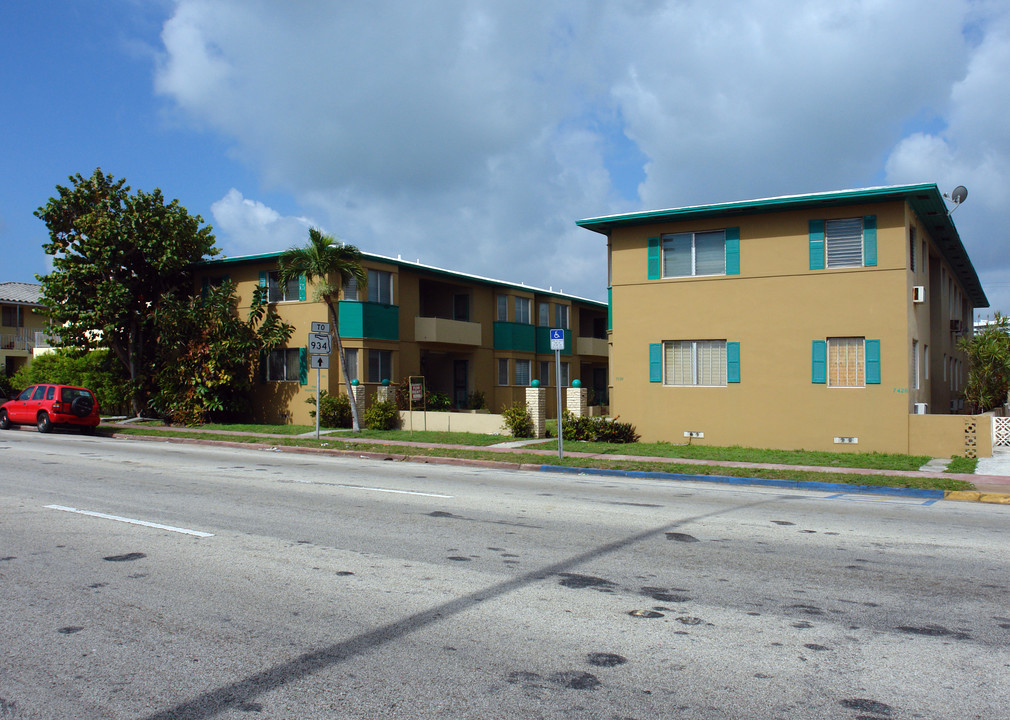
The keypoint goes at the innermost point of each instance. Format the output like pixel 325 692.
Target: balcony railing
pixel 591 346
pixel 443 330
pixel 23 339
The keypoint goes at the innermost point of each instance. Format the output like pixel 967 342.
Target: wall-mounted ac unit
pixel 955 326
pixel 920 408
pixel 918 293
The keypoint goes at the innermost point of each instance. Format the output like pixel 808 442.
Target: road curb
pixel 922 493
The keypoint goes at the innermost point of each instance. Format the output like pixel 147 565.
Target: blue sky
pixel 472 134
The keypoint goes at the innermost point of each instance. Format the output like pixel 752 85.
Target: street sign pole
pixel 317 401
pixel 319 345
pixel 557 336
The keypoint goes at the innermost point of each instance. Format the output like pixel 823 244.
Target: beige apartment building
pixel 22 325
pixel 464 334
pixel 816 321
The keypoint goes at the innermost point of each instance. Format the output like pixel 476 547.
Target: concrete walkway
pixel 991 479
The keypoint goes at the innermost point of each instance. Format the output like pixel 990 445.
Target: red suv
pixel 47 406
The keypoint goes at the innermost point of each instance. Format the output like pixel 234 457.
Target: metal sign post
pixel 557 345
pixel 319 354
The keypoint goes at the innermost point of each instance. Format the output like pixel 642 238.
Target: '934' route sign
pixel 319 344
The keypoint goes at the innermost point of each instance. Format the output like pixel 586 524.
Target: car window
pixel 26 394
pixel 69 394
pixel 40 392
pixel 50 392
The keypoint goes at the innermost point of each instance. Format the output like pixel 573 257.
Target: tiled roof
pixel 19 292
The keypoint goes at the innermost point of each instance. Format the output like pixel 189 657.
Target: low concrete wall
pixel 485 423
pixel 943 436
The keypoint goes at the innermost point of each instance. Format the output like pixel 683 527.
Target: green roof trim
pixel 925 200
pixel 416 266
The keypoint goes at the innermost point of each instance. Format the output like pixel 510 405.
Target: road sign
pixel 557 339
pixel 319 344
pixel 323 328
pixel 319 362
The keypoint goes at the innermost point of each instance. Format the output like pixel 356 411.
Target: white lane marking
pixel 397 492
pixel 131 521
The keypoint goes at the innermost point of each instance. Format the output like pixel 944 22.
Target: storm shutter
pixel 655 264
pixel 819 364
pixel 732 362
pixel 870 241
pixel 816 231
pixel 655 362
pixel 733 251
pixel 872 362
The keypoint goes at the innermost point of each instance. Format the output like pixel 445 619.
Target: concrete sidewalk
pixel 991 480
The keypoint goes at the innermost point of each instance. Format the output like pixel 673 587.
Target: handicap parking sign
pixel 557 339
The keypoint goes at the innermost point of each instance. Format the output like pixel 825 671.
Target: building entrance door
pixel 460 370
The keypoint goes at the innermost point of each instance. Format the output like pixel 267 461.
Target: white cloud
pixel 472 135
pixel 245 227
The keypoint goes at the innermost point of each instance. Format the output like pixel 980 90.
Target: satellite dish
pixel 959 194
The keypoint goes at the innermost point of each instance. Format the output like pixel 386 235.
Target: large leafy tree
pixel 330 265
pixel 209 352
pixel 117 256
pixel 988 354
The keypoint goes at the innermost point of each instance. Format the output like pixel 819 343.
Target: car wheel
pixel 5 422
pixel 44 423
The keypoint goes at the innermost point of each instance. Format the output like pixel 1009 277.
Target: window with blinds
pixel 522 372
pixel 844 242
pixel 687 254
pixel 694 362
pixel 846 362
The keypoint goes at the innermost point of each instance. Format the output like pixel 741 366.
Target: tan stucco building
pixel 463 333
pixel 815 321
pixel 22 325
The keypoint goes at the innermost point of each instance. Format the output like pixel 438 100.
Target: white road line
pixel 131 521
pixel 397 492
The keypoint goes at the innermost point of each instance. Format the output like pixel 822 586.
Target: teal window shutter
pixel 655 260
pixel 655 362
pixel 732 362
pixel 819 364
pixel 610 308
pixel 301 287
pixel 303 366
pixel 872 362
pixel 733 251
pixel 816 244
pixel 263 278
pixel 870 241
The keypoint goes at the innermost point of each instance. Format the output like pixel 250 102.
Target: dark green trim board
pixel 870 241
pixel 303 366
pixel 732 251
pixel 872 355
pixel 655 362
pixel 819 362
pixel 732 362
pixel 816 231
pixel 655 269
pixel 518 336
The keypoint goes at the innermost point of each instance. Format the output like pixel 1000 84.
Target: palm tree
pixel 333 264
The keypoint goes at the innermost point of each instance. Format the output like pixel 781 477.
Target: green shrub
pixel 597 429
pixel 475 400
pixel 382 415
pixel 334 410
pixel 518 420
pixel 98 370
pixel 6 388
pixel 439 402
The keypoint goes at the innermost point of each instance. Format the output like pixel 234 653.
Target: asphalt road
pixel 275 585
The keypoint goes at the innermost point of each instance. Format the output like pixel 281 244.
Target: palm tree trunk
pixel 355 424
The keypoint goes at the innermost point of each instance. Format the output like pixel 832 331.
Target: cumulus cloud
pixel 245 227
pixel 472 135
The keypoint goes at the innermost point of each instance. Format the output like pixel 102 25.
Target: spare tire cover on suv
pixel 81 406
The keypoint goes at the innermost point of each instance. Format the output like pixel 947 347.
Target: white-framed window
pixel 503 371
pixel 522 310
pixel 380 365
pixel 380 287
pixel 694 362
pixel 563 380
pixel 843 240
pixel 701 253
pixel 351 289
pixel 545 373
pixel 543 314
pixel 523 372
pixel 351 356
pixel 502 309
pixel 13 316
pixel 561 316
pixel 846 362
pixel 915 364
pixel 276 292
pixel 284 365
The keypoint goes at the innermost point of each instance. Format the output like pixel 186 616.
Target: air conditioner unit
pixel 955 326
pixel 918 293
pixel 920 408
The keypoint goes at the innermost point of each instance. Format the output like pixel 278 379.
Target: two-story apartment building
pixel 22 324
pixel 814 321
pixel 463 333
